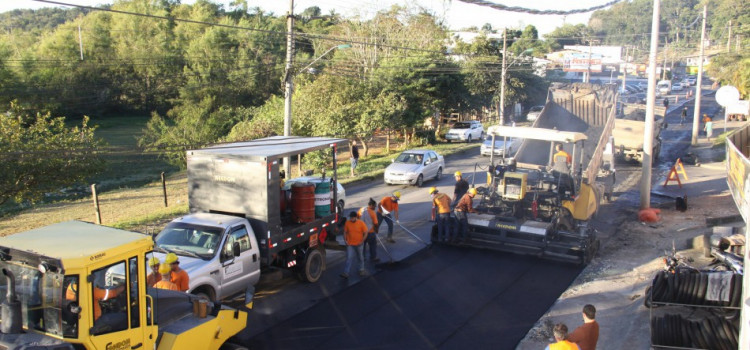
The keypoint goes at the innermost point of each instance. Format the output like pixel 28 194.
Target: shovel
pixel 384 248
pixel 413 235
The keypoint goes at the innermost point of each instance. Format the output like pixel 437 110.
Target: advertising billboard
pixel 579 62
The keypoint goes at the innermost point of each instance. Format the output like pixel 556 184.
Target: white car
pixel 465 131
pixel 676 87
pixel 340 193
pixel 413 167
pixel 513 145
pixel 534 113
pixel 692 79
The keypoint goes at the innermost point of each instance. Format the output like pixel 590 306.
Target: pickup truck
pixel 240 225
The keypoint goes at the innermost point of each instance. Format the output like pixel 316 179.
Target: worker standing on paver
pixel 461 187
pixel 154 276
pixel 464 207
pixel 562 154
pixel 388 211
pixel 354 235
pixel 370 218
pixel 165 271
pixel 587 334
pixel 178 276
pixel 442 202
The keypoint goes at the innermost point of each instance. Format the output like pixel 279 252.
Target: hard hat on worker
pixel 171 258
pixel 397 194
pixel 432 190
pixel 164 269
pixel 458 173
pixel 154 261
pixel 473 191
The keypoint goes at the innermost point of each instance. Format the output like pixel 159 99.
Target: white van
pixel 664 87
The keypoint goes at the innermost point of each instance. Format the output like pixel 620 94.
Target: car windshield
pixel 40 294
pixel 189 240
pixel 409 158
pixel 461 126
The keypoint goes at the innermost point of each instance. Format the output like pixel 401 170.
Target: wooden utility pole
pixel 648 137
pixel 588 65
pixel 697 107
pixel 96 204
pixel 164 188
pixel 502 80
pixel 664 67
pixel 288 87
pixel 625 69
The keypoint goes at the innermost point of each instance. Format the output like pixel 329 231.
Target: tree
pixel 732 69
pixel 568 34
pixel 40 154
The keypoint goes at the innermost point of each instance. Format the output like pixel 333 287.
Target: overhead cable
pixel 502 7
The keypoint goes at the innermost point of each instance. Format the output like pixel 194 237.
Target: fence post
pixel 164 188
pixel 96 204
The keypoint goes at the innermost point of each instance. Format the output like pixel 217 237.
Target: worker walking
pixel 178 276
pixel 683 115
pixel 165 271
pixel 460 189
pixel 442 203
pixel 369 217
pixel 388 211
pixel 354 236
pixel 154 276
pixel 464 207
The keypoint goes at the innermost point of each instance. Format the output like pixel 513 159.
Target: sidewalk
pixel 631 254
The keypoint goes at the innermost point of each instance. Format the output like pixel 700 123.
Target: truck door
pixel 115 308
pixel 238 271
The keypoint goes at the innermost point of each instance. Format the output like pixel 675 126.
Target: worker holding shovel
pixel 388 209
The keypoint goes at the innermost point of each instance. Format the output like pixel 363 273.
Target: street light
pixel 289 87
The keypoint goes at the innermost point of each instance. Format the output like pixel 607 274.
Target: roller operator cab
pixel 244 221
pixel 79 285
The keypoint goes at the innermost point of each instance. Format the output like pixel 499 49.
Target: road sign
pixel 727 95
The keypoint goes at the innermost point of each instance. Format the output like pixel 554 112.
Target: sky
pixel 456 13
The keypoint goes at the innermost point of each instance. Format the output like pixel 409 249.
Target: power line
pixel 502 7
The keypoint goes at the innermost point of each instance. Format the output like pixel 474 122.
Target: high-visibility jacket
pixel 152 278
pixel 370 220
pixel 563 345
pixel 355 232
pixel 388 204
pixel 166 285
pixel 563 154
pixel 442 202
pixel 181 279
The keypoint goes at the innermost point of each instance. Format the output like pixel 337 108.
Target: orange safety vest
pixel 166 285
pixel 388 204
pixel 355 232
pixel 181 279
pixel 442 202
pixel 563 345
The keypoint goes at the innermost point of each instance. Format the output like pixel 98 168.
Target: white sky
pixel 458 14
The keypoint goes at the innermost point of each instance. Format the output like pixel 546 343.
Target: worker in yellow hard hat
pixel 464 207
pixel 178 276
pixel 154 276
pixel 442 202
pixel 165 271
pixel 461 187
pixel 388 210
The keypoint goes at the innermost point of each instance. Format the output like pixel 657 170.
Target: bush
pixel 425 137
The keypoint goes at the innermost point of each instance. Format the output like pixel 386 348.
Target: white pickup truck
pixel 240 225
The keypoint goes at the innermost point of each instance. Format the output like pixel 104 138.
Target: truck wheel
pixel 204 293
pixel 314 265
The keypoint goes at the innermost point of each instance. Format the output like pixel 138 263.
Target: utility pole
pixel 80 41
pixel 588 66
pixel 502 80
pixel 664 67
pixel 729 36
pixel 697 108
pixel 288 87
pixel 625 69
pixel 648 137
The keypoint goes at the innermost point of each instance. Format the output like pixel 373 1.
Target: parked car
pixel 413 167
pixel 676 87
pixel 513 144
pixel 341 193
pixel 534 113
pixel 465 131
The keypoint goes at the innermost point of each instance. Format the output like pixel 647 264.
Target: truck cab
pixel 219 252
pixel 84 285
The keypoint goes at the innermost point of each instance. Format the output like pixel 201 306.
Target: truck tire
pixel 313 267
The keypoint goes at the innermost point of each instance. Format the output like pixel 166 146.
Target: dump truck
pixel 534 204
pixel 74 285
pixel 629 129
pixel 240 225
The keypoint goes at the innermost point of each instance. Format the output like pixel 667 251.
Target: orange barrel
pixel 303 202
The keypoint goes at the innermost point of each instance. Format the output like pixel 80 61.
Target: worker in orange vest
pixel 153 276
pixel 165 271
pixel 442 202
pixel 354 235
pixel 388 211
pixel 561 331
pixel 179 276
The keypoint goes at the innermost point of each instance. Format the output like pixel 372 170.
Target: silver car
pixel 340 193
pixel 465 131
pixel 413 167
pixel 486 148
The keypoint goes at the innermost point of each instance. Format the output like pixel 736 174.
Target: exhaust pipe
pixel 10 309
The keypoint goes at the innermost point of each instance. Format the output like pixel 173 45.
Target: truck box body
pixel 243 179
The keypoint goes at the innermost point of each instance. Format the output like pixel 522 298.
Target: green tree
pixel 732 69
pixel 40 154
